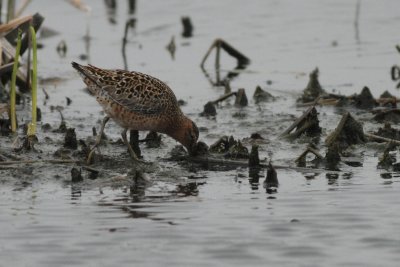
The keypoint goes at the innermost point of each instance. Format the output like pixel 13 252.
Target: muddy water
pixel 197 217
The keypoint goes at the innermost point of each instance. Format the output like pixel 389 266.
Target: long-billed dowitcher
pixel 138 101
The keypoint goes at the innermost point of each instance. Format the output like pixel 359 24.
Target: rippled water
pixel 215 218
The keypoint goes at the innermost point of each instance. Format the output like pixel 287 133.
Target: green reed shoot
pixel 32 125
pixel 13 115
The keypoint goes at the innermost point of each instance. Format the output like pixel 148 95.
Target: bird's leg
pixel 98 139
pixel 131 152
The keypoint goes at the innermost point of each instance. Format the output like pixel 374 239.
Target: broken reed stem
pixel 242 60
pixel 14 23
pixel 32 125
pixel 380 138
pixel 13 115
pixel 327 101
pixel 217 56
pixel 222 98
pixel 300 119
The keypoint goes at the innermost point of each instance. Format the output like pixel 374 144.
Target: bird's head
pixel 187 134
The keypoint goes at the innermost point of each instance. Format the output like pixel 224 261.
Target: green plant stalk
pixel 13 115
pixel 32 125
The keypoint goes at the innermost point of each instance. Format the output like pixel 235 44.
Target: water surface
pixel 213 218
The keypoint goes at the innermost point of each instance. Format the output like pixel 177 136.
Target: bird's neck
pixel 177 128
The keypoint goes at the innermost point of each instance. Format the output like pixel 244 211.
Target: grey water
pixel 214 217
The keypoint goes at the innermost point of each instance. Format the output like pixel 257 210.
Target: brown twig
pixel 300 119
pixel 380 138
pixel 14 23
pixel 222 98
pixel 218 44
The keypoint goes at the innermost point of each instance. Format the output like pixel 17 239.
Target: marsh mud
pixel 58 211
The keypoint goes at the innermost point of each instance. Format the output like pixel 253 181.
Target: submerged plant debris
pixel 307 124
pixel 313 89
pixel 262 96
pixel 365 99
pixel 348 132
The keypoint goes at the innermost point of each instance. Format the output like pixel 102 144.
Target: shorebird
pixel 138 101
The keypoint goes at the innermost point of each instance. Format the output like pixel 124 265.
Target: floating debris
pixel 254 159
pixel 307 124
pixel 187 27
pixel 256 136
pixel 237 151
pixel 386 94
pixel 242 60
pixel 46 127
pixel 132 6
pixel 301 161
pixel 241 98
pixel 62 128
pixel 230 147
pixel 182 102
pixel 313 89
pixel 388 132
pixel 70 139
pixel 62 153
pixel 332 157
pixel 153 140
pixel 38 114
pixel 254 177
pixel 188 189
pixel 262 96
pixel 171 47
pixel 28 143
pixel 209 110
pixel 178 153
pixel 222 145
pixel 391 115
pixel 271 182
pixel 388 159
pixel 365 99
pixel 348 132
pixel 5 127
pixel 201 149
pixel 76 175
pixel 93 173
pixel 227 86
